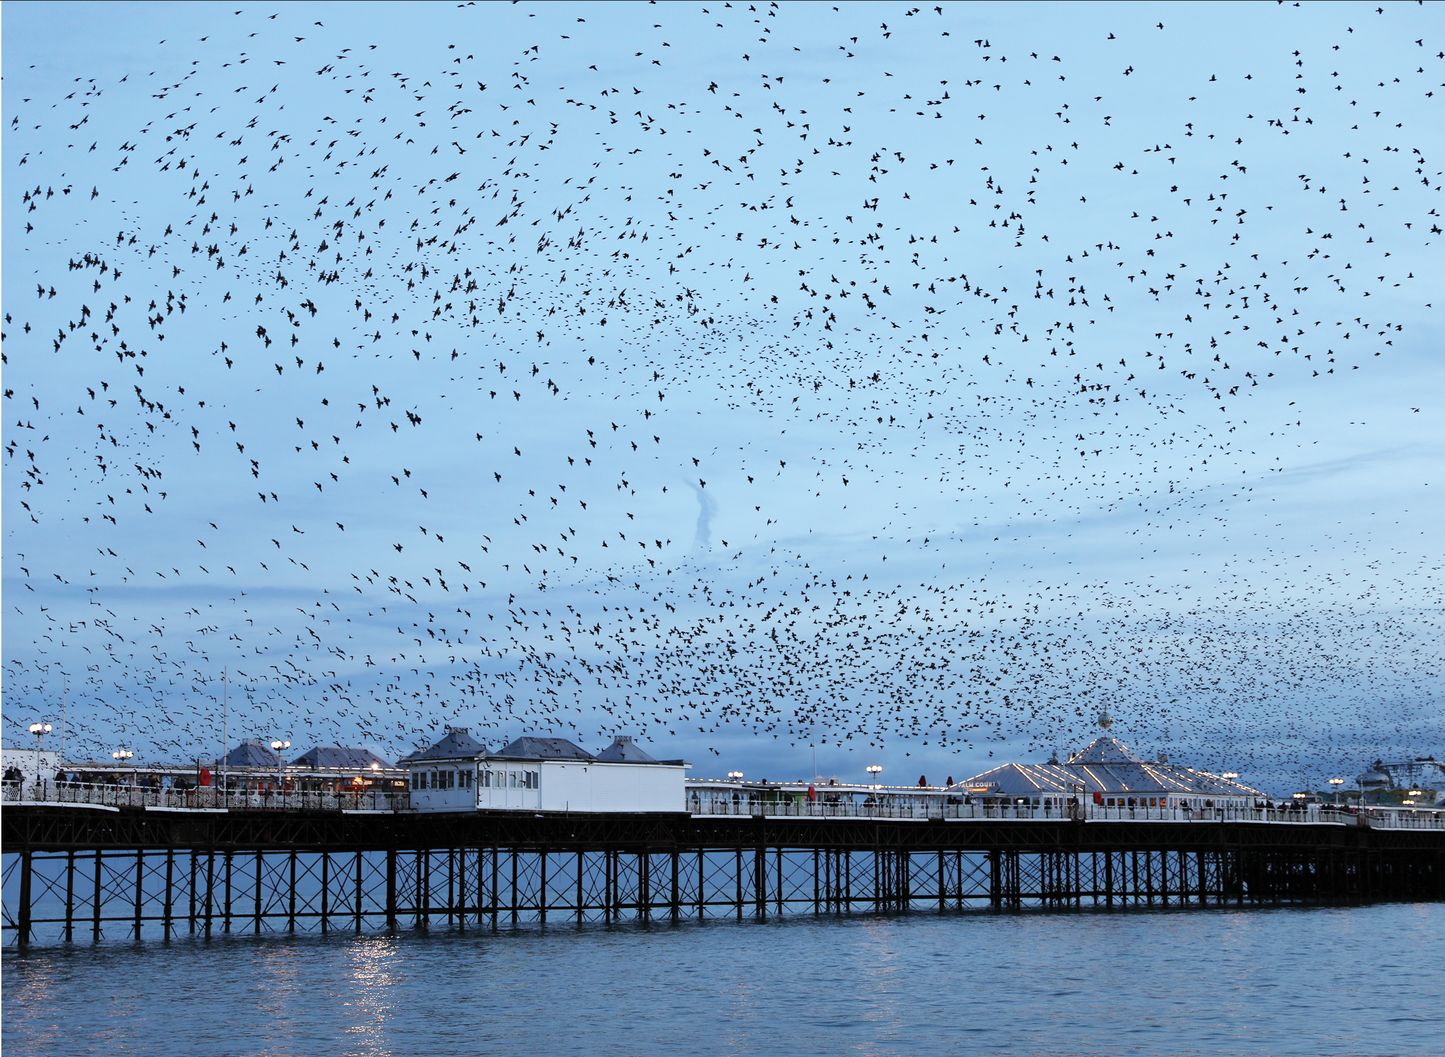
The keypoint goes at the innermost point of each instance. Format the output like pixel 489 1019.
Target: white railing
pixel 791 808
pixel 202 798
pixel 903 808
pixel 1311 814
pixel 210 798
pixel 1404 818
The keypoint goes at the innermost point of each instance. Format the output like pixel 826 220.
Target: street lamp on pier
pixel 1229 776
pixel 279 746
pixel 874 770
pixel 736 776
pixel 39 730
pixel 122 757
pixel 1337 782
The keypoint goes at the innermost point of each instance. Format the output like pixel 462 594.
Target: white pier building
pixel 458 773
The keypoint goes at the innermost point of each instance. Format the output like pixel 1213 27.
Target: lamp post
pixel 278 746
pixel 1229 776
pixel 1337 782
pixel 735 776
pixel 122 757
pixel 225 725
pixel 39 730
pixel 874 770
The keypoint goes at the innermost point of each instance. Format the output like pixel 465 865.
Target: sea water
pixel 1351 980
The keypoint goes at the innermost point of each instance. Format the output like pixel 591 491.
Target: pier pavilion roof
pixel 530 748
pixel 1106 751
pixel 624 750
pixel 252 752
pixel 1019 779
pixel 1106 766
pixel 458 744
pixel 340 757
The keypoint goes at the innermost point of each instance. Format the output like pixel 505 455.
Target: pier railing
pixel 1309 814
pixel 1404 818
pixel 202 798
pixel 212 798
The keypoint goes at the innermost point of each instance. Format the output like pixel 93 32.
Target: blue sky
pixel 915 382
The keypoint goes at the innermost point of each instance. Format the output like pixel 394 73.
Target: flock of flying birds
pixel 742 376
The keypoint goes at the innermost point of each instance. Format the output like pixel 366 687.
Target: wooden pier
pixel 82 873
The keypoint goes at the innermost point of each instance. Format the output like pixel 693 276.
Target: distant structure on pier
pixel 1424 773
pixel 252 753
pixel 340 758
pixel 1110 774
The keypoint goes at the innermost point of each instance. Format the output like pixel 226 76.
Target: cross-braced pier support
pixel 140 877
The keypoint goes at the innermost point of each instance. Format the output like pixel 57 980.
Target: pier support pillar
pixel 210 888
pixel 356 909
pixel 676 902
pixel 290 900
pixel 325 892
pixel 70 896
pixel 23 921
pixel 95 901
pixel 226 908
pixel 139 889
pixel 739 872
pixel 581 896
pixel 391 889
pixel 165 909
pixel 701 880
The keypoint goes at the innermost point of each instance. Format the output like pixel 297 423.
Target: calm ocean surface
pixel 1362 980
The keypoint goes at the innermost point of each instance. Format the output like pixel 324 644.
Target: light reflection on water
pixel 1294 981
